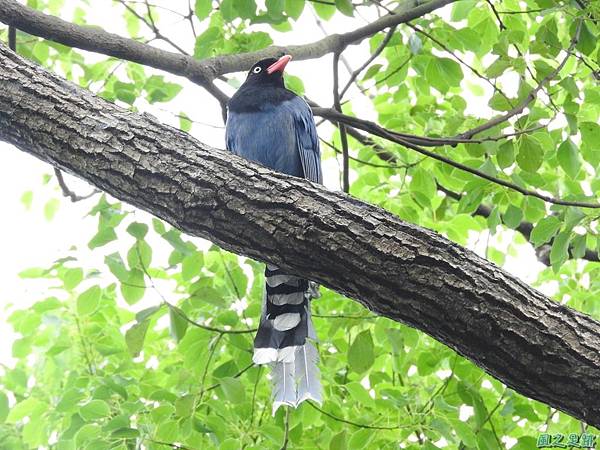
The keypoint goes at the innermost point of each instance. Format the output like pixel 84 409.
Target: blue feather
pixel 280 136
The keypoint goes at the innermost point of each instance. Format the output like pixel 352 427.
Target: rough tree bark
pixel 412 275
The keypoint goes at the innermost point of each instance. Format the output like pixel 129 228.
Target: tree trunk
pixel 412 275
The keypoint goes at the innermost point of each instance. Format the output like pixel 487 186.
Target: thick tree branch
pixel 201 72
pixel 536 346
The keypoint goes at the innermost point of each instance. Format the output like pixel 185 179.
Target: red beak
pixel 279 65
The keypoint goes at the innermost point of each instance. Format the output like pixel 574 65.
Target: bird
pixel 271 125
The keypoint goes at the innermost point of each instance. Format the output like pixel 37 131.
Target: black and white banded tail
pixel 283 339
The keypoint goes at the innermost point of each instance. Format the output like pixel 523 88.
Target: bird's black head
pixel 268 72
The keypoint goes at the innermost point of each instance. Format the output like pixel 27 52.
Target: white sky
pixel 28 240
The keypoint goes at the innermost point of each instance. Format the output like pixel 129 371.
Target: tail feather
pixel 284 390
pixel 281 340
pixel 308 374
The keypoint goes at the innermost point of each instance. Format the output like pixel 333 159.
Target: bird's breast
pixel 266 136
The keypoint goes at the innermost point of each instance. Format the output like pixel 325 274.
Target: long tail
pixel 283 339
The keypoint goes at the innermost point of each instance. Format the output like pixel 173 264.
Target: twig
pixel 168 444
pixel 342 128
pixel 388 75
pixel 254 394
pixel 237 375
pixel 368 163
pixel 68 192
pixel 207 327
pixel 12 38
pixel 380 48
pixel 286 434
pixel 355 424
pixel 343 316
pixel 152 25
pixel 213 349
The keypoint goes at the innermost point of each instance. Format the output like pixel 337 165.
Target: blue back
pixel 281 136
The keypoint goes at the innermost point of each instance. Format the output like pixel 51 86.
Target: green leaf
pixel 361 438
pixel 545 230
pixel 233 390
pixel 246 9
pixel 568 158
pixel 116 266
pixel 71 278
pixel 345 6
pixel 423 185
pixel 185 124
pixel 578 246
pixel 178 323
pixel 133 288
pixel 191 266
pixel 159 90
pixel 294 8
pixel 4 409
pixel 531 154
pixel 137 230
pixel 513 216
pixel 361 353
pixel 443 73
pixel 208 42
pixel 139 256
pixel 506 155
pixel 324 11
pixel 134 337
pixel 88 301
pixel 50 208
pixel 560 250
pixel 103 237
pixel 94 409
pixel 203 9
pixel 147 313
pixel 125 433
pixel 294 84
pixel 28 407
pixel 27 199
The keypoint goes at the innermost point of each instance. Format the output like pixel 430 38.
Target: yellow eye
pixel 257 69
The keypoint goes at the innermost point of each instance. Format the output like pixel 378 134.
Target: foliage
pixel 154 345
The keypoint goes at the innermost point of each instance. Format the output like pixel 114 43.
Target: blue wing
pixel 282 137
pixel 307 141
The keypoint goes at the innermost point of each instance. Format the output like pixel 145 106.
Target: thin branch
pixel 12 38
pixel 345 316
pixel 68 192
pixel 168 444
pixel 152 25
pixel 368 163
pixel 380 48
pixel 207 327
pixel 237 375
pixel 388 75
pixel 342 128
pixel 377 130
pixel 213 349
pixel 286 434
pixel 356 424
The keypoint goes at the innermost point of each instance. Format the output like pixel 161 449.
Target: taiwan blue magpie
pixel 271 125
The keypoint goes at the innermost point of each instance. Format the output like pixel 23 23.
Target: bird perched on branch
pixel 271 125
